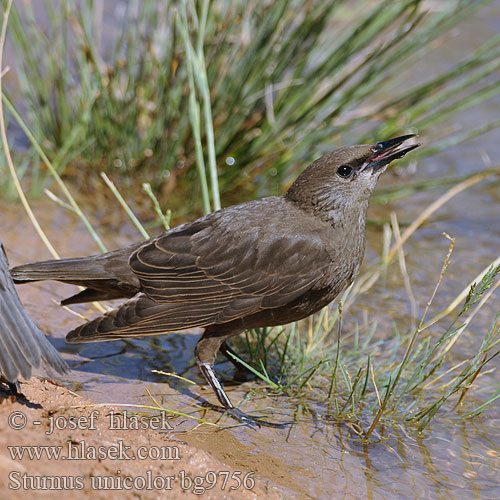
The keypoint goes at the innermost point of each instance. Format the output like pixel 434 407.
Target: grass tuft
pixel 247 91
pixel 387 389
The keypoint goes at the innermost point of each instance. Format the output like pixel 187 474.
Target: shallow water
pixel 453 459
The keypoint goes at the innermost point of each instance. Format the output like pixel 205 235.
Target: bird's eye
pixel 344 171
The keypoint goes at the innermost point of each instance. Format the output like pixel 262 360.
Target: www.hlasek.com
pixel 80 450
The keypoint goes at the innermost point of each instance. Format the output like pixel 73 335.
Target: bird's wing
pixel 197 276
pixel 138 317
pixel 231 274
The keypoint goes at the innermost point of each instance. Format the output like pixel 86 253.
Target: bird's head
pixel 347 176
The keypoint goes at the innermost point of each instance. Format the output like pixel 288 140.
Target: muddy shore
pixel 101 453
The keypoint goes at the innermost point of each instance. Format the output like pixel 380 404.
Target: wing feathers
pixel 203 273
pixel 188 266
pixel 142 316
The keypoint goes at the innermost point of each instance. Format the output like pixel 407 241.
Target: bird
pixel 22 345
pixel 261 263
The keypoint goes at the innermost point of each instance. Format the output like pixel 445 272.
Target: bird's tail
pixel 105 277
pixel 67 270
pixel 22 344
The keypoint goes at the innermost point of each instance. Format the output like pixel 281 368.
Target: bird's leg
pixel 205 352
pixel 209 374
pixel 242 372
pixel 14 387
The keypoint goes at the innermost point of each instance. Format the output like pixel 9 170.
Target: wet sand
pixel 102 453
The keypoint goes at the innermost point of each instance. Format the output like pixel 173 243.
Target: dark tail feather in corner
pixel 22 344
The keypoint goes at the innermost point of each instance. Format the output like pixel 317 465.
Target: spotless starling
pixel 261 263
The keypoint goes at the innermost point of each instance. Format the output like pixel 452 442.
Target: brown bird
pixel 262 263
pixel 22 345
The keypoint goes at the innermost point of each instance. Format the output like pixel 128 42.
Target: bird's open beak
pixel 386 151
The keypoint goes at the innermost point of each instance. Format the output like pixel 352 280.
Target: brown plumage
pixel 22 345
pixel 261 263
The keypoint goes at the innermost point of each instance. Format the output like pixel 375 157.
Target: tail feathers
pixel 140 317
pixel 107 276
pixel 92 295
pixel 22 344
pixel 107 266
pixel 52 358
pixel 67 270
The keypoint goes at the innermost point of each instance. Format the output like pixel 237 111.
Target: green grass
pixel 246 91
pixel 370 377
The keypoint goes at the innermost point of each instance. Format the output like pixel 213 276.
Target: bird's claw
pixel 243 418
pixel 254 422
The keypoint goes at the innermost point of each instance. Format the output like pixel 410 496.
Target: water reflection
pixel 316 458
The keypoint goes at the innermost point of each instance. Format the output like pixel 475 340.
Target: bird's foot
pixel 243 418
pixel 253 421
pixel 13 387
pixel 227 407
